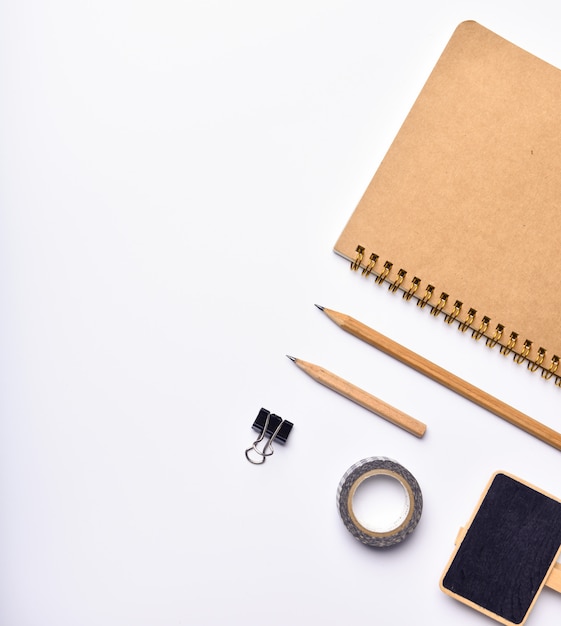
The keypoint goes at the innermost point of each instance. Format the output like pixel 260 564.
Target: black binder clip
pixel 268 425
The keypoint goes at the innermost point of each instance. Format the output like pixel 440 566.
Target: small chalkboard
pixel 508 551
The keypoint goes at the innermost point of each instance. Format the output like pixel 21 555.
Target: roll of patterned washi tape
pixel 406 520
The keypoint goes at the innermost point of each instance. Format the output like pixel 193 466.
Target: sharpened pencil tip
pixel 320 307
pixel 292 358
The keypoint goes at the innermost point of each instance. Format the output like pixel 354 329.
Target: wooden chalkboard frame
pixel 508 551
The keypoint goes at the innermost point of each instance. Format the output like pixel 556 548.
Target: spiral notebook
pixel 462 215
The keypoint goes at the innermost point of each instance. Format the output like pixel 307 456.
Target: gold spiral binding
pixel 414 286
pixel 397 282
pixel 384 274
pixel 455 312
pixel 477 334
pixel 422 303
pixel 468 321
pixel 506 350
pixel 368 269
pixel 494 340
pixel 547 374
pixel 520 358
pixel 359 254
pixel 441 304
pixel 534 365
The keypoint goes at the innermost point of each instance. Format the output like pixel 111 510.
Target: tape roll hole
pixel 380 503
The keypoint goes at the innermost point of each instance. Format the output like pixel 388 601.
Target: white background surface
pixel 173 176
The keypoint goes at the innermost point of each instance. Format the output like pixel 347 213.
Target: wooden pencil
pixel 440 375
pixel 361 397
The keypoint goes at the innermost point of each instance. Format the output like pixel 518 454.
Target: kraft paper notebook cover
pixel 462 215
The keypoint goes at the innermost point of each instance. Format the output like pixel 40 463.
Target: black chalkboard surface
pixel 507 552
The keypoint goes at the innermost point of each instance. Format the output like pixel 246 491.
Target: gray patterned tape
pixel 359 472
